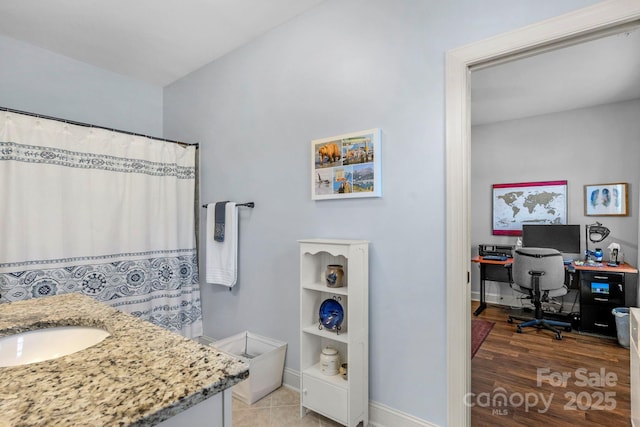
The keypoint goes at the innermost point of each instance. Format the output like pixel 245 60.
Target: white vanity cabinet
pixel 634 319
pixel 212 412
pixel 344 400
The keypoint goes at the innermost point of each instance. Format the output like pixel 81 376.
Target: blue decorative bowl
pixel 331 314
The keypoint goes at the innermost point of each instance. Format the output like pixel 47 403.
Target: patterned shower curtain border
pixel 150 288
pixel 84 259
pixel 61 157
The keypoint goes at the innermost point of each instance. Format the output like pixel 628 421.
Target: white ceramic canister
pixel 329 361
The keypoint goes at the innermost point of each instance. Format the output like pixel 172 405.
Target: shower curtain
pixel 102 213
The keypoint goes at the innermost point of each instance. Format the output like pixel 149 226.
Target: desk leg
pixel 483 304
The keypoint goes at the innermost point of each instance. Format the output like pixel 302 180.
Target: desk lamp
pixel 595 233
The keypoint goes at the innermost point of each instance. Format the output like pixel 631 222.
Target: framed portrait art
pixel 606 199
pixel 346 166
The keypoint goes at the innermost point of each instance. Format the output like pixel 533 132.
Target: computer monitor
pixel 565 238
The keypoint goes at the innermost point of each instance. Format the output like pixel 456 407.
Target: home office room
pixel 554 141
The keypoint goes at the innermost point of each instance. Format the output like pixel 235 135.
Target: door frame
pixel 573 27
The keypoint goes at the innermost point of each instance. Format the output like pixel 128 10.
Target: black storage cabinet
pixel 601 292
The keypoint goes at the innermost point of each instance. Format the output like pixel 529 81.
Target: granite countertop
pixel 140 375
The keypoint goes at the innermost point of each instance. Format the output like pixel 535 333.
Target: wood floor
pixel 578 381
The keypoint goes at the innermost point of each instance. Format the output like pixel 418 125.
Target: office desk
pixel 492 270
pixel 593 309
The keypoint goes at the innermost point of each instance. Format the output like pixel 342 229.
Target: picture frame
pixel 346 166
pixel 611 199
pixel 542 202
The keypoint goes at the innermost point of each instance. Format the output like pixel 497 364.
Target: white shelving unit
pixel 345 401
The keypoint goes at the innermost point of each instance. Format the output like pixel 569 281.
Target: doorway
pixel 587 22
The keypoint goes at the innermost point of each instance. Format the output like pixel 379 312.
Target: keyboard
pixel 495 258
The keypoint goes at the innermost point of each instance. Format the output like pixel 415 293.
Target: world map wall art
pixel 346 166
pixel 528 203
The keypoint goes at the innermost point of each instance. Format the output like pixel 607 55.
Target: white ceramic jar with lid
pixel 329 361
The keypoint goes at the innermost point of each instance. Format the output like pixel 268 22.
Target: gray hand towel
pixel 218 234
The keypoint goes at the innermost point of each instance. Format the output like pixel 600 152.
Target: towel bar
pixel 247 204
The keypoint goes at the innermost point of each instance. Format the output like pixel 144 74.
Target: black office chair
pixel 539 273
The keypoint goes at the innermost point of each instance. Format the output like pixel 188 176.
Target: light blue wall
pixel 346 65
pixel 39 81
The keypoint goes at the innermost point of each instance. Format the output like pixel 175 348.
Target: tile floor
pixel 281 408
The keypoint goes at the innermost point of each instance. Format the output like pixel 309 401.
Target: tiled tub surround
pixel 140 375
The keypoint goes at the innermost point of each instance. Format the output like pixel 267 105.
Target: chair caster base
pixel 541 324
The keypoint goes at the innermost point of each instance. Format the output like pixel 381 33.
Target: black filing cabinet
pixel 601 292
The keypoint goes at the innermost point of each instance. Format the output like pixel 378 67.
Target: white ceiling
pixel 596 72
pixel 160 41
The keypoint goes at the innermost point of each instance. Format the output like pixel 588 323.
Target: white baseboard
pixel 379 415
pixel 383 416
pixel 205 340
pixel 291 379
pixel 491 298
pixel 515 300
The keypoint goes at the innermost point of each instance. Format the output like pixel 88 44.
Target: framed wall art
pixel 542 202
pixel 346 166
pixel 606 199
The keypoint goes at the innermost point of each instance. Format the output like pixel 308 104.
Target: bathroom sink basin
pixel 46 344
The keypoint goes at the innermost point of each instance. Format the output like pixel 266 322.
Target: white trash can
pixel 265 357
pixel 622 325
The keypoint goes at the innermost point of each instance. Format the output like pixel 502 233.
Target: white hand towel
pixel 222 257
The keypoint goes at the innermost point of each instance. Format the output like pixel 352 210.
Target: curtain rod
pixel 42 116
